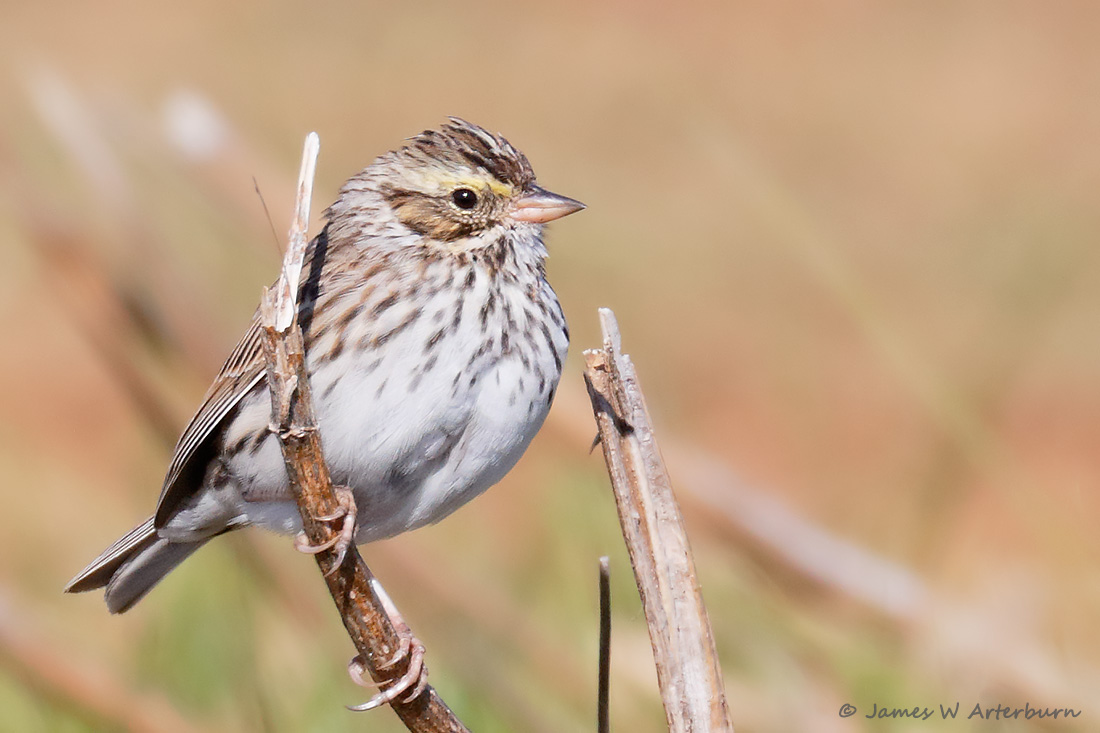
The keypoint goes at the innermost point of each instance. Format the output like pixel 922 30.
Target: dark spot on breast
pixel 434 340
pixel 509 319
pixel 238 445
pixel 350 315
pixel 405 323
pixel 383 305
pixel 317 335
pixel 481 351
pixel 496 255
pixel 550 343
pixel 257 443
pixel 368 275
pixel 430 289
pixel 337 348
pixel 489 307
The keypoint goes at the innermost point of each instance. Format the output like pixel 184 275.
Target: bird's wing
pixel 242 371
pixel 238 376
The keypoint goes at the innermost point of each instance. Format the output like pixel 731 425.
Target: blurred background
pixel 852 249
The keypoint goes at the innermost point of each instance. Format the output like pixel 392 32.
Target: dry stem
pixel 603 686
pixel 679 630
pixel 364 617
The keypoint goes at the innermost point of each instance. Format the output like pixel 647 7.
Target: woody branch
pixel 351 584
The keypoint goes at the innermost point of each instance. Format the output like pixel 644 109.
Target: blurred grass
pixel 852 250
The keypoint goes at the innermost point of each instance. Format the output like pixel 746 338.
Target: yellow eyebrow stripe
pixel 445 181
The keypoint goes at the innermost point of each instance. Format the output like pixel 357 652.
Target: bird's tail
pixel 130 567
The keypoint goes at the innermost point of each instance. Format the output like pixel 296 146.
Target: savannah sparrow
pixel 434 346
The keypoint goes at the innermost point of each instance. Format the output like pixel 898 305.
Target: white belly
pixel 413 437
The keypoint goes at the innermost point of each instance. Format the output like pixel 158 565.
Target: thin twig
pixel 603 693
pixel 351 584
pixel 286 288
pixel 683 646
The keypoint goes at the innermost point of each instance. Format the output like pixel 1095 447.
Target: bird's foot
pixel 409 685
pixel 345 514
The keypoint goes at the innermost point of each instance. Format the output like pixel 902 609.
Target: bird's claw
pixel 407 688
pixel 342 540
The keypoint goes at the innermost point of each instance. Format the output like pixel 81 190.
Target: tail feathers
pixel 132 566
pixel 100 571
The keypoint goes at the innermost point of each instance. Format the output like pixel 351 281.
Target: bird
pixel 434 347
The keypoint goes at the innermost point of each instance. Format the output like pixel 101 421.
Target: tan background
pixel 852 247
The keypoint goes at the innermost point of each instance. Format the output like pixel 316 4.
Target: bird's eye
pixel 464 198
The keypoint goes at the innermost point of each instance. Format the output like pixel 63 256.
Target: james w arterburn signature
pixel 950 712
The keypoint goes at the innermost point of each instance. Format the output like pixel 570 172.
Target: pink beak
pixel 539 206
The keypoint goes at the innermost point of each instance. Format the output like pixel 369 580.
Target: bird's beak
pixel 539 206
